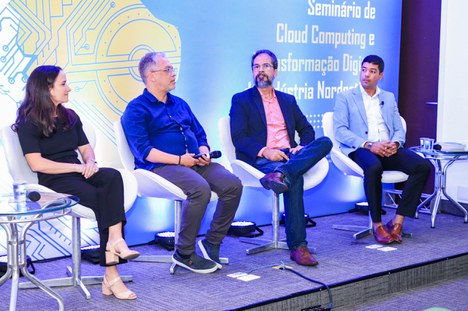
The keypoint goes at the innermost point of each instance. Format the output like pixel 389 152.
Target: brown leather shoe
pixel 275 182
pixel 303 256
pixel 395 230
pixel 382 236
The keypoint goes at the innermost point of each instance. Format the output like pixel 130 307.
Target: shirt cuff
pixel 260 153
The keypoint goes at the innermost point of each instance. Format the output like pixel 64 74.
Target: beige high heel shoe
pixel 112 255
pixel 108 291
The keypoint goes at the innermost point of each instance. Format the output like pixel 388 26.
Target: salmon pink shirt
pixel 277 133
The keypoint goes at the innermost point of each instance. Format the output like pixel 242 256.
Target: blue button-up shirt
pixel 170 127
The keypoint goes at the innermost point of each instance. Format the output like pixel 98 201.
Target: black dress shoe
pixel 275 182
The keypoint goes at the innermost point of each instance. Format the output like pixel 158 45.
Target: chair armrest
pixel 391 177
pixel 248 174
pixel 316 174
pixel 153 185
pixel 78 210
pixel 349 167
pixel 345 164
pixel 130 188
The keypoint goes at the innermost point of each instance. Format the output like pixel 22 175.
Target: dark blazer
pixel 248 123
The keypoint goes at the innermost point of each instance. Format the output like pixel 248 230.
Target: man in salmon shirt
pixel 263 126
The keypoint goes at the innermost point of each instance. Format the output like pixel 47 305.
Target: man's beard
pixel 261 82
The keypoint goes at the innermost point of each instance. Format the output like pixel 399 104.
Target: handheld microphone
pixel 33 196
pixel 212 155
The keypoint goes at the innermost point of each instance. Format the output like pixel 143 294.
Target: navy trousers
pixel 416 167
pixel 293 169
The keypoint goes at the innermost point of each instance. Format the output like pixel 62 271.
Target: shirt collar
pixel 273 94
pixel 364 93
pixel 152 99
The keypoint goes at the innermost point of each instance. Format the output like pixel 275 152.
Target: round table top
pixel 440 153
pixel 49 202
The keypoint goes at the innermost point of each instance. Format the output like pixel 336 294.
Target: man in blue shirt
pixel 164 135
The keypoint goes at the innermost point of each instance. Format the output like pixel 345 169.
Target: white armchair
pixel 351 168
pixel 153 185
pixel 250 177
pixel 20 170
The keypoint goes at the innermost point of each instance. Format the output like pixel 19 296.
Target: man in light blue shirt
pixel 368 126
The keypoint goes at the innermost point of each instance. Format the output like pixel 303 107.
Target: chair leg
pixel 265 245
pixel 167 258
pixel 363 231
pixel 178 217
pixel 74 273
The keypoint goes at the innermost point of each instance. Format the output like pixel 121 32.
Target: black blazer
pixel 248 123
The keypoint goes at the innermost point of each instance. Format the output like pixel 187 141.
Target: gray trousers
pixel 197 183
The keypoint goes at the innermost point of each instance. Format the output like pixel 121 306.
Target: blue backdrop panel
pixel 219 37
pixel 320 46
pixel 319 43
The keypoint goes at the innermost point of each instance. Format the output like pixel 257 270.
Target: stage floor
pixel 341 260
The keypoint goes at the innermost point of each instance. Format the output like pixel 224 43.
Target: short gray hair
pixel 147 61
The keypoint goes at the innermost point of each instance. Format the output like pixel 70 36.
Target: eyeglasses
pixel 168 70
pixel 265 67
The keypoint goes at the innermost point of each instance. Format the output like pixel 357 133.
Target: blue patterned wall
pixel 320 44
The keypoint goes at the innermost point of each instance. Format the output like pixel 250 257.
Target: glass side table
pixel 51 205
pixel 441 161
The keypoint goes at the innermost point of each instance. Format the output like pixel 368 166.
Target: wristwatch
pixel 369 145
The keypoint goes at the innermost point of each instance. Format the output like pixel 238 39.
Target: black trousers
pixel 103 193
pixel 416 167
